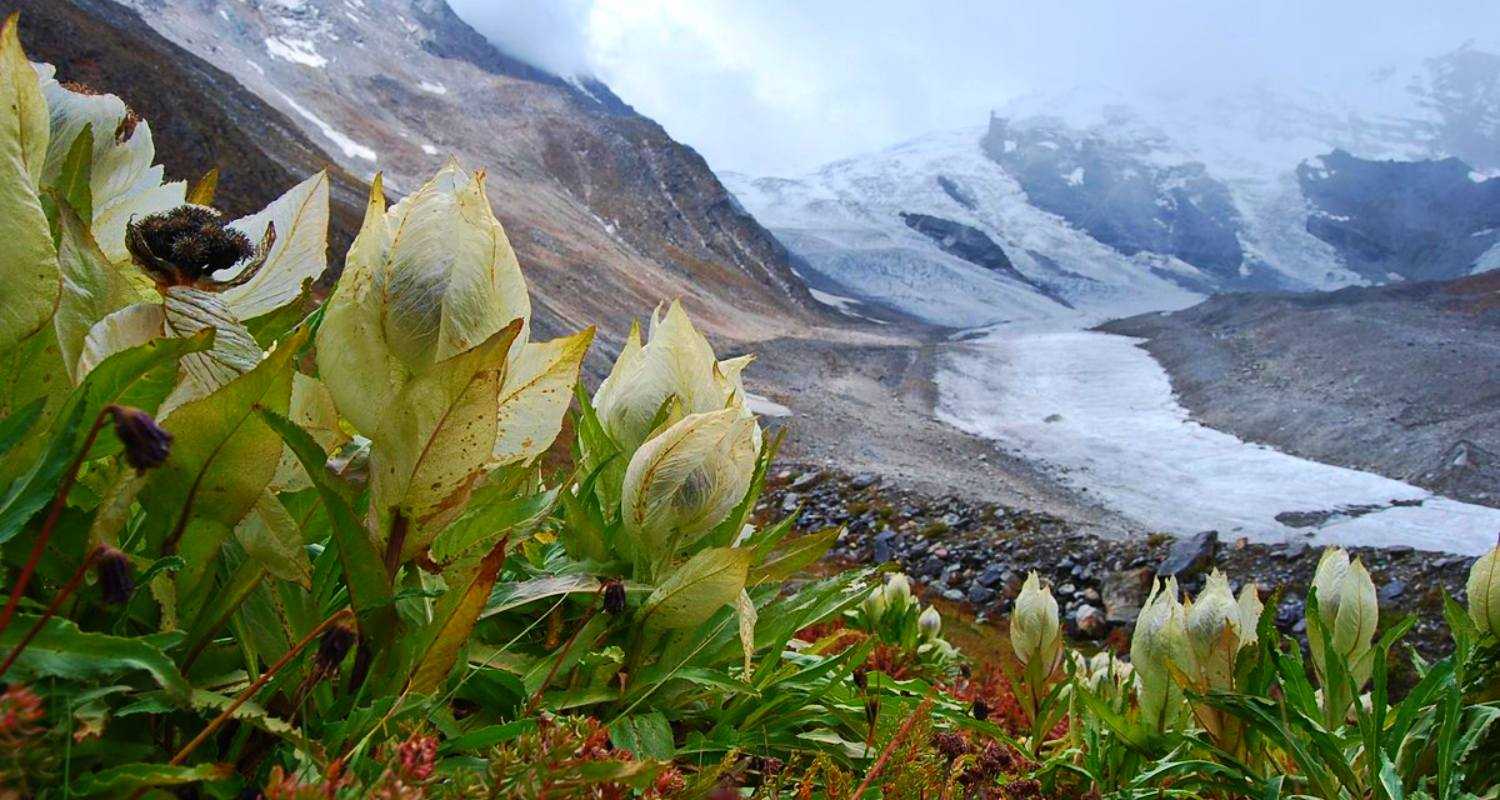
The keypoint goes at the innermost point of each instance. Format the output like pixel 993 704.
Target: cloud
pixel 551 34
pixel 781 86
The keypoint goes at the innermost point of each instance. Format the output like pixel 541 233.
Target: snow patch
pixel 432 88
pixel 1117 430
pixel 351 148
pixel 765 406
pixel 429 150
pixel 1075 178
pixel 297 51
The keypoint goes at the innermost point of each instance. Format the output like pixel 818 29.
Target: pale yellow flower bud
pixel 1484 592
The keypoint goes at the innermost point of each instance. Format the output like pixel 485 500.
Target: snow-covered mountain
pixel 1110 204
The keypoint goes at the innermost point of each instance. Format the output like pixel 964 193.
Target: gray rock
pixel 1190 555
pixel 790 501
pixel 981 595
pixel 1391 592
pixel 1090 621
pixel 806 479
pixel 953 594
pixel 883 546
pixel 864 480
pixel 1124 592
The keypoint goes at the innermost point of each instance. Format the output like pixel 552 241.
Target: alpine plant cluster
pixel 263 540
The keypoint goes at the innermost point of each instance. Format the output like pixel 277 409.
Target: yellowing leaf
pixel 223 453
pixel 271 536
pixel 698 588
pixel 538 388
pixel 744 609
pixel 312 410
pixel 234 353
pixel 88 288
pixel 299 253
pixel 435 440
pixel 30 279
pixel 455 617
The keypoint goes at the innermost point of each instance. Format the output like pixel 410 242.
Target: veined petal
pixel 538 388
pixel 299 252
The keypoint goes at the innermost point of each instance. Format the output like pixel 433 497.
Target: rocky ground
pixel 1401 380
pixel 977 553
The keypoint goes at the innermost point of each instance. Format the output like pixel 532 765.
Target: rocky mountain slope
pixel 1403 380
pixel 607 213
pixel 1111 202
pixel 202 119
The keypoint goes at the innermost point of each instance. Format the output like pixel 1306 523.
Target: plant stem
pixel 890 747
pixel 62 596
pixel 59 500
pixel 249 692
pixel 536 697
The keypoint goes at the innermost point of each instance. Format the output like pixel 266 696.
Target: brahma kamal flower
pixel 146 263
pixel 1160 641
pixel 685 480
pixel 675 369
pixel 1348 611
pixel 424 349
pixel 1036 640
pixel 929 623
pixel 1484 593
pixel 1218 627
pixel 1035 630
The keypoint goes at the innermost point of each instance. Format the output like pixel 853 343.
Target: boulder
pixel 1189 556
pixel 1090 621
pixel 1124 592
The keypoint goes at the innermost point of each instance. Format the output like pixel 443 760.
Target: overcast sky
pixel 781 86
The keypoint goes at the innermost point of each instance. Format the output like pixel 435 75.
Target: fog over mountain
pixel 779 87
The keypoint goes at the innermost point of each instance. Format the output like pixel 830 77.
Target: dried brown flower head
pixel 187 245
pixel 115 580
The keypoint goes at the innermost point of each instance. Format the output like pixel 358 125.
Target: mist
pixel 778 86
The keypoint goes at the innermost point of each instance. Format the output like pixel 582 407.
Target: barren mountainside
pixel 608 214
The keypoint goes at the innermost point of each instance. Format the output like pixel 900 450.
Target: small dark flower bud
pixel 146 444
pixel 332 648
pixel 980 710
pixel 115 581
pixel 872 710
pixel 185 245
pixel 614 596
pixel 861 677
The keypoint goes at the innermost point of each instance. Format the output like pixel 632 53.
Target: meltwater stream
pixel 1102 410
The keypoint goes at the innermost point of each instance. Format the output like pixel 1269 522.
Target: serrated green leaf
pixel 691 594
pixel 60 650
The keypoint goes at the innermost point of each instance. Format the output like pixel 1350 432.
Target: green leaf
pixel 369 583
pixel 19 423
pixel 223 454
pixel 455 617
pixel 72 185
pixel 645 735
pixel 89 289
pixel 694 591
pixel 60 650
pixel 30 280
pixel 130 377
pixel 120 781
pixel 271 536
pixel 488 518
pixel 487 737
pixel 794 556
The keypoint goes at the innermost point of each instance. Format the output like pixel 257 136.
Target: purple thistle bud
pixel 146 444
pixel 115 580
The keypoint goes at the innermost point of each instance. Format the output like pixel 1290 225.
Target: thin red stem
pixel 62 597
pixel 59 501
